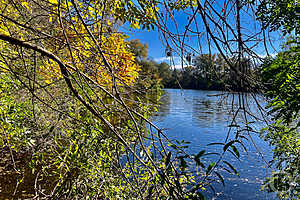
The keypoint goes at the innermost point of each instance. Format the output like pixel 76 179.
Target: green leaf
pixel 215 143
pixel 209 168
pixel 220 177
pixel 197 158
pixel 227 145
pixel 201 153
pixel 207 154
pixel 231 167
pixel 236 151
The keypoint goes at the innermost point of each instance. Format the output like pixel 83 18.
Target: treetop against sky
pixel 186 27
pixel 185 31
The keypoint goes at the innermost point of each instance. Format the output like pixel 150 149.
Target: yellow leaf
pixel 135 25
pixel 53 1
pixel 25 4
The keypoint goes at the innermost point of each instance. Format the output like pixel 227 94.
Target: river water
pixel 202 117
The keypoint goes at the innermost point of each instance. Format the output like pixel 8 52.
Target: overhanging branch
pixel 65 73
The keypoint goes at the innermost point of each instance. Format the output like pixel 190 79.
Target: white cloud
pixel 178 66
pixel 161 59
pixel 265 55
pixel 175 61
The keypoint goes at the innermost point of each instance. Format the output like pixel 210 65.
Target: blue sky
pixel 157 48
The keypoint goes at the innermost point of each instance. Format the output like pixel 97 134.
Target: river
pixel 202 117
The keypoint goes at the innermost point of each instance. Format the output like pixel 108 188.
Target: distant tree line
pixel 205 72
pixel 211 72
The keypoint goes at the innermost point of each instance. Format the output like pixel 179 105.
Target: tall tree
pixel 281 77
pixel 139 50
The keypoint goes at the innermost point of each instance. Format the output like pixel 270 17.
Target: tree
pixel 71 76
pixel 152 73
pixel 205 64
pixel 281 79
pixel 71 114
pixel 139 50
pixel 280 14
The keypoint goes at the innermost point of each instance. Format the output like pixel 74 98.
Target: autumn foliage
pixel 97 51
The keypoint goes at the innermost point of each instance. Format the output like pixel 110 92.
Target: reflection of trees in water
pixel 202 111
pixel 208 111
pixel 207 108
pixel 165 102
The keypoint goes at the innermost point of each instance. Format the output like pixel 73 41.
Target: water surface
pixel 202 117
